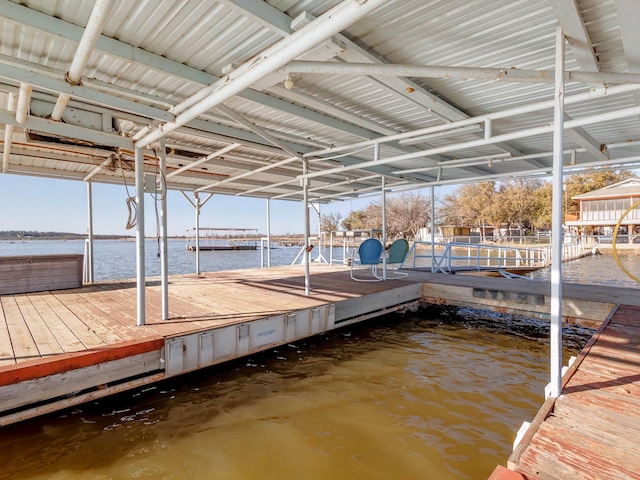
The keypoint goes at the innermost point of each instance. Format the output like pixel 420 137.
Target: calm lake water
pixel 116 259
pixel 597 270
pixel 429 395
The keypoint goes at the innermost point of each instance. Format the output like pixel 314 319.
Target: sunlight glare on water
pixel 400 397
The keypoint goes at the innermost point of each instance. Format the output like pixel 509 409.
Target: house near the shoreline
pixel 600 210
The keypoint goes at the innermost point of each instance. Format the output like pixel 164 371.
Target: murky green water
pixel 401 397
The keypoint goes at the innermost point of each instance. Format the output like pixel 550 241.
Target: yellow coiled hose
pixel 615 236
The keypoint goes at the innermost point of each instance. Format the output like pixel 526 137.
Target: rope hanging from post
pixel 159 196
pixel 132 205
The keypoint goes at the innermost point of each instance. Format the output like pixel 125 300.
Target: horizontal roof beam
pixel 529 132
pixel 580 136
pixel 138 108
pixel 33 75
pixel 520 110
pixel 272 58
pixel 66 130
pixel 465 73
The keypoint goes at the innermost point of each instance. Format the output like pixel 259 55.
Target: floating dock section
pixel 61 348
pixel 204 248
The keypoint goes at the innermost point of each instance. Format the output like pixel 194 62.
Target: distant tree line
pixel 24 234
pixel 517 203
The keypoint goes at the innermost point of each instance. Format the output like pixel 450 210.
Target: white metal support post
pixel 268 233
pixel 556 221
pixel 89 260
pixel 164 257
pixel 197 205
pixel 331 249
pixel 305 200
pixel 433 230
pixel 383 199
pixel 196 197
pixel 316 208
pixel 319 258
pixel 140 251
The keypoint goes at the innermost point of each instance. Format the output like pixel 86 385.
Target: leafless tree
pixel 406 214
pixel 330 222
pixel 472 205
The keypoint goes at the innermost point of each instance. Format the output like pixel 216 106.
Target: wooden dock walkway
pixel 592 431
pixel 40 325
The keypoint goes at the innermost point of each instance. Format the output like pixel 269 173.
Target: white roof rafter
pixel 576 33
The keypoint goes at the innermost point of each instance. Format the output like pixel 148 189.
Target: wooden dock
pixel 64 347
pixel 592 430
pixel 61 348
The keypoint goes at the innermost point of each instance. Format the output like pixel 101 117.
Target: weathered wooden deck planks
pixel 593 429
pixel 56 343
pixel 7 357
pixel 42 324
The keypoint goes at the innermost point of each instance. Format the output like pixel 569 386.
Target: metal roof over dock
pixel 420 92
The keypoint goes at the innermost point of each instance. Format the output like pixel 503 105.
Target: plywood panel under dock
pixel 35 273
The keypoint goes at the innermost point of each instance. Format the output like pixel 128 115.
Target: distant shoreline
pixel 4 238
pixel 20 235
pixel 79 237
pixel 23 235
pixel 27 237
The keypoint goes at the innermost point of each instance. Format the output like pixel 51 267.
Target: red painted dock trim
pixel 38 368
pixel 503 473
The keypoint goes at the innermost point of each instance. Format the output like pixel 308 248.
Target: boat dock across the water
pixel 208 239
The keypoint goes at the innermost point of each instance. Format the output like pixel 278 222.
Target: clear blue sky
pixel 41 204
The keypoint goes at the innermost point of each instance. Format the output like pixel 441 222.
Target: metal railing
pixel 458 256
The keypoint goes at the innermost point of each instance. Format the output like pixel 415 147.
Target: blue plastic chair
pixel 368 254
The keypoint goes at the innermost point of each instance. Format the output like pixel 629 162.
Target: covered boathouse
pixel 312 102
